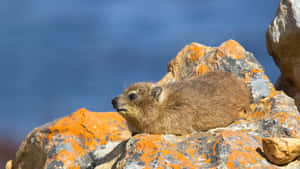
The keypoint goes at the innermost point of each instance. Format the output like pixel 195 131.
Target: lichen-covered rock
pixel 237 146
pixel 196 59
pixel 73 141
pixel 102 140
pixel 225 148
pixel 282 40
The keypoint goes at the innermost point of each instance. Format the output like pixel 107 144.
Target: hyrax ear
pixel 156 92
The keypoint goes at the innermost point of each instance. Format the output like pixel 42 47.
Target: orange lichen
pixel 247 77
pixel 231 48
pixel 215 145
pixel 242 147
pixel 93 128
pixel 257 115
pixel 266 77
pixel 91 125
pixel 159 167
pixel 273 91
pixel 76 147
pixel 148 145
pixel 196 52
pixel 202 69
pixel 255 71
pixel 192 149
pixel 154 145
pixel 284 119
pixel 207 160
pixel 68 158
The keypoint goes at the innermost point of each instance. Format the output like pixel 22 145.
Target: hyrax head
pixel 138 101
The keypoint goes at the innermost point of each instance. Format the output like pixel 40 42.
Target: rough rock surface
pixel 281 150
pixel 102 140
pixel 282 40
pixel 73 141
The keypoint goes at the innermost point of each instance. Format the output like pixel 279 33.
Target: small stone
pixel 9 165
pixel 281 151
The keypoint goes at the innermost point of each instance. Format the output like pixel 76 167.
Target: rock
pixel 281 150
pixel 238 145
pixel 222 149
pixel 9 164
pixel 282 41
pixel 102 140
pixel 73 141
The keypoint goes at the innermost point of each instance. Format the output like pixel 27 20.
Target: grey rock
pixel 282 41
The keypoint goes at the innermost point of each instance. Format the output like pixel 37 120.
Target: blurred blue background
pixel 58 56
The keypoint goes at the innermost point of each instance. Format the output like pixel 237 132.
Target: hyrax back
pixel 202 103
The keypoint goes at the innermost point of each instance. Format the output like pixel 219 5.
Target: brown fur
pixel 202 103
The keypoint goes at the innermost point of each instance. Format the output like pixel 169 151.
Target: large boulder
pixel 102 140
pixel 74 141
pixel 282 41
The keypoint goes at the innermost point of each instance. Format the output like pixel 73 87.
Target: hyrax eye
pixel 132 96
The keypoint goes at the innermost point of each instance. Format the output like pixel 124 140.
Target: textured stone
pixel 102 140
pixel 9 164
pixel 281 150
pixel 237 146
pixel 73 142
pixel 199 150
pixel 282 40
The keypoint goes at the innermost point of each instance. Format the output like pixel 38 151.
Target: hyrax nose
pixel 114 102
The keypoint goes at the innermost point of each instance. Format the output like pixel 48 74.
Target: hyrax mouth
pixel 122 110
pixel 117 105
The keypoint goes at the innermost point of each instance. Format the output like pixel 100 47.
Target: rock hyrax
pixel 213 100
